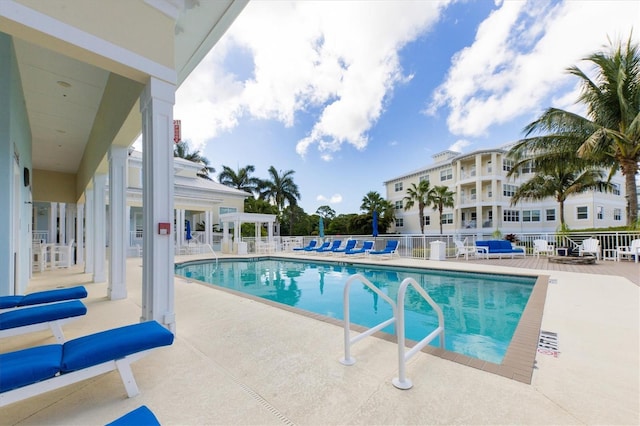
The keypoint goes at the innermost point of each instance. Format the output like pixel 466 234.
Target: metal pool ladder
pixel 400 382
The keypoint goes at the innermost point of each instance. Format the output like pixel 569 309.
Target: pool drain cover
pixel 548 343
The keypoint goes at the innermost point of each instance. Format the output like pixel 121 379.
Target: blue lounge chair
pixel 324 246
pixel 29 372
pixel 351 244
pixel 42 297
pixel 141 416
pixel 41 317
pixel 366 247
pixel 334 245
pixel 312 245
pixel 387 252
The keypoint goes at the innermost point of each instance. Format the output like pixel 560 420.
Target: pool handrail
pixel 348 341
pixel 401 382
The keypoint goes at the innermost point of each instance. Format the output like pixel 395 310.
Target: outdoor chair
pixel 631 251
pixel 590 246
pixel 464 250
pixel 542 247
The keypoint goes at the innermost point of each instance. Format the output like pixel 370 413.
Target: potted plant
pixel 513 239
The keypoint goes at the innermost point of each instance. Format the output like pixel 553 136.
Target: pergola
pixel 238 219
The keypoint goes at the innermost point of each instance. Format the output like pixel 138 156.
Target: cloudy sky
pixel 351 94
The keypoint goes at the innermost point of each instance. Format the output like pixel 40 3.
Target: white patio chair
pixel 633 250
pixel 542 247
pixel 63 255
pixel 590 246
pixel 462 250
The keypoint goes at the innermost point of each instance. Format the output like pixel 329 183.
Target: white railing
pixel 40 236
pixel 348 341
pixel 401 382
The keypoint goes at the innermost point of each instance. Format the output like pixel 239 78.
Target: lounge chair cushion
pixel 97 348
pixel 41 314
pixel 498 246
pixel 10 301
pixel 28 366
pixel 141 416
pixel 48 296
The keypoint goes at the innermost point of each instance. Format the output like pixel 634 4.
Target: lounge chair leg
pixel 129 382
pixel 56 329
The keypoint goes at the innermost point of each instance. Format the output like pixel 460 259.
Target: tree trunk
pixel 629 170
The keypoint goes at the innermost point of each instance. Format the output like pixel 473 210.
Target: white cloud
pixel 519 57
pixel 338 60
pixel 459 145
pixel 334 199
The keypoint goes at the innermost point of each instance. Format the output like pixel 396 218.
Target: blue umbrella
pixel 375 223
pixel 189 237
pixel 321 227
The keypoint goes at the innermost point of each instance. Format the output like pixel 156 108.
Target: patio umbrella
pixel 375 223
pixel 189 237
pixel 321 227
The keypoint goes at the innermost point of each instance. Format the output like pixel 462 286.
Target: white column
pixel 226 243
pixel 118 222
pixel 208 238
pixel 79 234
pixel 53 223
pixel 179 227
pixel 156 106
pixel 99 236
pixel 128 228
pixel 90 231
pixel 62 224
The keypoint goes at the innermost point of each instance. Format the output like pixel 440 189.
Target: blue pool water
pixel 481 311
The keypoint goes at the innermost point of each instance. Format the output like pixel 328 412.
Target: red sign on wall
pixel 177 137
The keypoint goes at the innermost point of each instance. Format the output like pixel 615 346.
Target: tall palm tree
pixel 441 197
pixel 418 194
pixel 241 179
pixel 181 150
pixel 609 135
pixel 559 174
pixel 280 189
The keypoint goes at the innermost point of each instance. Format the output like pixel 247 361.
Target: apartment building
pixel 482 201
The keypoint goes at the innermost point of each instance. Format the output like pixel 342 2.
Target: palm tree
pixel 181 150
pixel 441 197
pixel 418 194
pixel 610 134
pixel 558 176
pixel 374 201
pixel 280 189
pixel 241 179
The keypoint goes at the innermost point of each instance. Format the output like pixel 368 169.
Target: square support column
pixel 99 236
pixel 62 224
pixel 156 106
pixel 53 223
pixel 118 222
pixel 89 231
pixel 79 234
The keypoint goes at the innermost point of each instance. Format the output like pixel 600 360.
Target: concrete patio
pixel 238 361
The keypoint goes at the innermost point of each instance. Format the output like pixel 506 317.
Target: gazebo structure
pixel 237 219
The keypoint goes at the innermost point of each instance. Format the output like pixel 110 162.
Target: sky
pixel 350 94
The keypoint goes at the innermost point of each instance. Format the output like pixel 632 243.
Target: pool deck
pixel 238 361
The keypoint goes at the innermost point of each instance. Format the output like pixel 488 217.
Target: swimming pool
pixel 481 311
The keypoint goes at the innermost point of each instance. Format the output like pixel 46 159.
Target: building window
pixel 427 220
pixel 600 212
pixel 531 215
pixel 617 214
pixel 399 222
pixel 551 215
pixel 507 165
pixel 398 186
pixel 511 216
pixel 447 218
pixel 489 168
pixel 446 174
pixel 528 167
pixel 616 189
pixel 424 178
pixel 508 190
pixel 398 205
pixel 582 212
pixel 224 210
